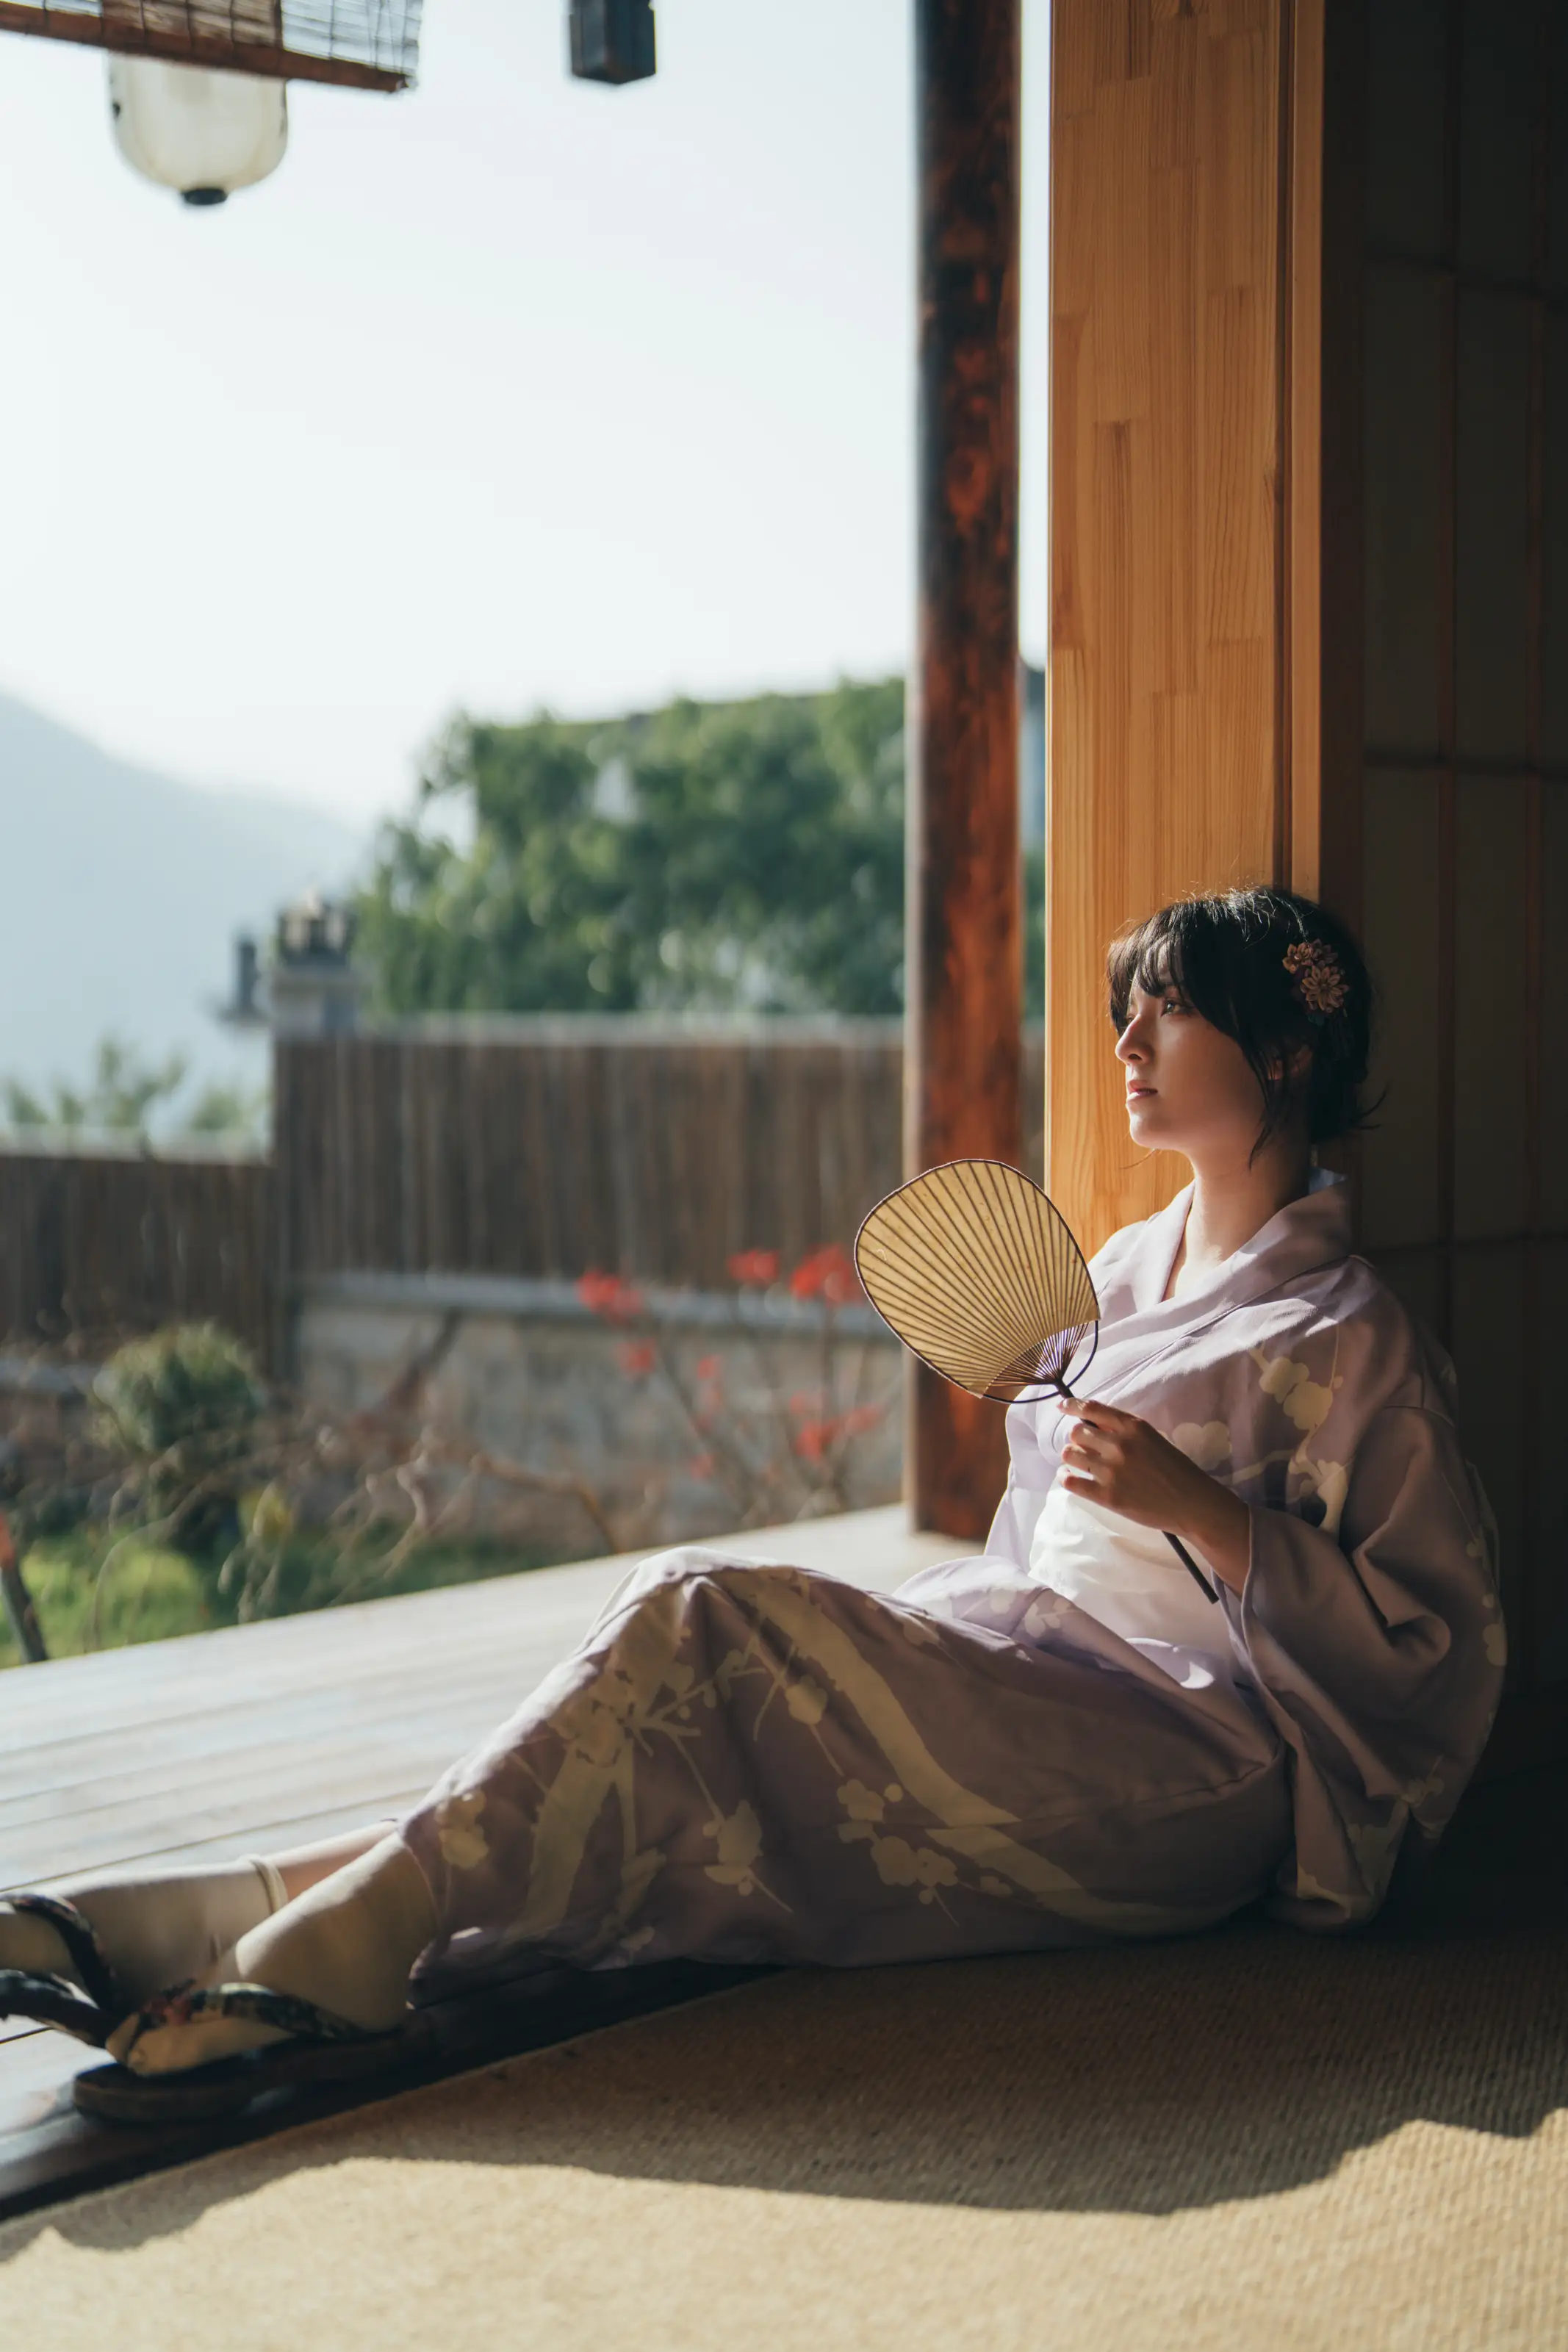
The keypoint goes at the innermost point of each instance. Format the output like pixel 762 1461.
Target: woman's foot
pixel 153 1931
pixel 347 1945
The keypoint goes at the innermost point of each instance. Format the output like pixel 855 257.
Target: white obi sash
pixel 1124 1575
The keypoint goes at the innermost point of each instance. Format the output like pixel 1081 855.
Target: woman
pixel 1061 1741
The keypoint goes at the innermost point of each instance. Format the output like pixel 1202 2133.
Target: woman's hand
pixel 1113 1458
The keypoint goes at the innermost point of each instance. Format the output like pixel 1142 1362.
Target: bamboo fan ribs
pixel 980 1277
pixel 978 1273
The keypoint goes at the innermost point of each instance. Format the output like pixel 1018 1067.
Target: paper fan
pixel 978 1273
pixel 980 1277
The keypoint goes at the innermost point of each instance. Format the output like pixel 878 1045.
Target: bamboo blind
pixel 369 44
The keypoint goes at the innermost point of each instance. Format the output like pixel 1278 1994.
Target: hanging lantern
pixel 612 40
pixel 202 133
pixel 197 86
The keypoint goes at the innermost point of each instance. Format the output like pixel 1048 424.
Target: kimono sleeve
pixel 1378 1653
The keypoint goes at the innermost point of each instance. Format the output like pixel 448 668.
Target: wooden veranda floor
pixel 266 1736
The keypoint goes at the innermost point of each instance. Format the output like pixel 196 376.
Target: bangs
pixel 1148 957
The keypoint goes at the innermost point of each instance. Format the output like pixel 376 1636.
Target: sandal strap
pixel 290 2012
pixel 44 1998
pixel 88 1955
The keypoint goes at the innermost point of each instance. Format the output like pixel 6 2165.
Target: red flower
pixel 829 1274
pixel 861 1417
pixel 754 1269
pixel 701 1465
pixel 609 1294
pixel 709 1367
pixel 637 1356
pixel 813 1438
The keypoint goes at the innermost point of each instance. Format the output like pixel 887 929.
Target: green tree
pixel 226 1109
pixel 121 1093
pixel 706 856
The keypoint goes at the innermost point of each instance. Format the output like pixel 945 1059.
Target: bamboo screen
pixel 1465 1184
pixel 369 44
pixel 546 1146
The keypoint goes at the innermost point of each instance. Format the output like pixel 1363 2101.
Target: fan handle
pixel 1177 1545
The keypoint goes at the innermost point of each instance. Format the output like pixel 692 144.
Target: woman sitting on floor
pixel 1061 1741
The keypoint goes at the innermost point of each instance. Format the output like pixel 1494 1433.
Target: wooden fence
pixel 553 1146
pixel 527 1148
pixel 97 1244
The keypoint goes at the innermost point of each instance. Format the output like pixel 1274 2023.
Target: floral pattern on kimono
pixel 745 1762
pixel 1370 1623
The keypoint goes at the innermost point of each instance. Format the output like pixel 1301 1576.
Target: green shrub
pixel 189 1384
pixel 182 1407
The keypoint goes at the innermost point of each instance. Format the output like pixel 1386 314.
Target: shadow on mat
pixel 1132 2079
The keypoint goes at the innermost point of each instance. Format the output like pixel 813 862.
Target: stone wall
pixel 803 1411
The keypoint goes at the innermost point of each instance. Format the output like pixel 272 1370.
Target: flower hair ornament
pixel 1317 982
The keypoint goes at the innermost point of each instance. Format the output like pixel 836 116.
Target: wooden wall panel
pixel 1401 1194
pixel 1418 1279
pixel 1404 505
pixel 1556 70
pixel 1309 617
pixel 1406 94
pixel 1549 1625
pixel 1501 64
pixel 1466 650
pixel 1492 522
pixel 1555 523
pixel 1551 1090
pixel 1167 679
pixel 1489 1079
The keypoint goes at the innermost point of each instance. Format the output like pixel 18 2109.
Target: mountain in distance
pixel 122 892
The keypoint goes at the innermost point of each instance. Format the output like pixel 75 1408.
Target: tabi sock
pixel 158 1932
pixel 347 1944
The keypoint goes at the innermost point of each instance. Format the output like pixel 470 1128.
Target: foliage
pixel 181 1408
pixel 160 1593
pixel 774 1453
pixel 719 857
pixel 225 1110
pixel 178 1486
pixel 189 1388
pixel 153 1594
pixel 124 1093
pixel 119 1097
pixel 177 1489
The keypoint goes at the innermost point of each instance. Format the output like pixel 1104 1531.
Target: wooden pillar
pixel 1171 165
pixel 964 975
pixel 1309 495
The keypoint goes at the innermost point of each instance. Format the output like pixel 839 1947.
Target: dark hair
pixel 1226 956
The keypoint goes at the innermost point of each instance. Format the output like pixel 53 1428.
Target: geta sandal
pixel 322 2048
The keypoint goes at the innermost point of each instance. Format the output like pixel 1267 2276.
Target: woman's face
pixel 1188 1085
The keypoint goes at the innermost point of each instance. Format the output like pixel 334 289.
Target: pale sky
pixel 507 391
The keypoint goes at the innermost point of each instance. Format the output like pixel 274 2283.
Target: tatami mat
pixel 1254 2138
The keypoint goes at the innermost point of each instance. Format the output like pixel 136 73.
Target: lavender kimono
pixel 745 1762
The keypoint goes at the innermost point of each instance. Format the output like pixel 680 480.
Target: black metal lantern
pixel 612 40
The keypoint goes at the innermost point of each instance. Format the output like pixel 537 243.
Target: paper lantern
pixel 203 134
